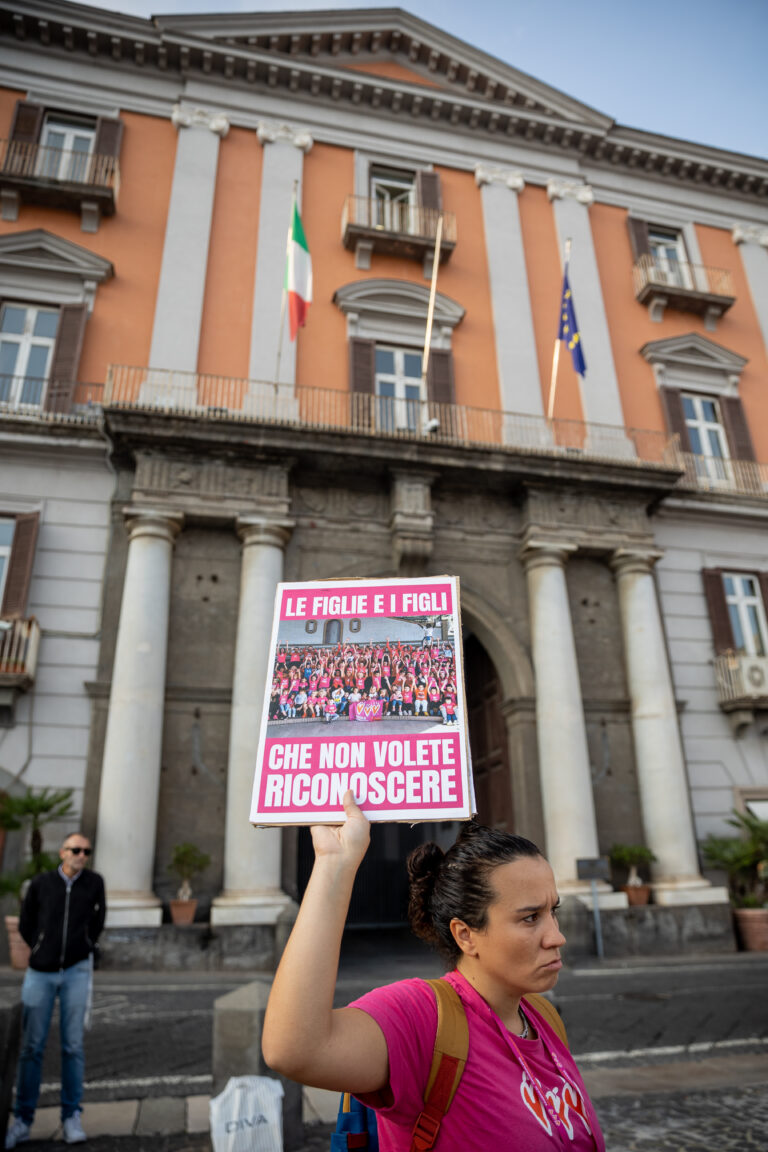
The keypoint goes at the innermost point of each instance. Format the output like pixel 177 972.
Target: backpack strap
pixel 449 1058
pixel 547 1009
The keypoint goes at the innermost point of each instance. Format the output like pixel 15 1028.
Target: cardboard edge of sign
pixel 334 821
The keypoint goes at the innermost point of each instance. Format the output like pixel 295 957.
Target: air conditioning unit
pixel 754 676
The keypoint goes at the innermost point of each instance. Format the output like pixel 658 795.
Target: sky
pixel 693 69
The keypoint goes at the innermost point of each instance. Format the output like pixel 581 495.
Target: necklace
pixel 524 1033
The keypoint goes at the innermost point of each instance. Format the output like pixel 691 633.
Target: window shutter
pixel 27 122
pixel 66 357
pixel 440 386
pixel 722 633
pixel 362 372
pixel 20 565
pixel 736 429
pixel 638 237
pixel 672 404
pixel 428 190
pixel 109 137
pixel 763 581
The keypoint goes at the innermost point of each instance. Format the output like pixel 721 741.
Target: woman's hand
pixel 349 839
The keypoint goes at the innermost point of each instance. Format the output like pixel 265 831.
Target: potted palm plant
pixel 30 811
pixel 187 861
pixel 631 857
pixel 744 859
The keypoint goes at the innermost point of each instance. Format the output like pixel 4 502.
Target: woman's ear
pixel 464 936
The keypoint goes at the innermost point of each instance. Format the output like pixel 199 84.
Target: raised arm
pixel 304 1037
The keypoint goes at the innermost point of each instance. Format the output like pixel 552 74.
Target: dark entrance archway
pixel 380 895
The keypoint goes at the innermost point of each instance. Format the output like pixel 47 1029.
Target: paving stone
pixel 161 1116
pixel 320 1106
pixel 115 1118
pixel 46 1122
pixel 198 1117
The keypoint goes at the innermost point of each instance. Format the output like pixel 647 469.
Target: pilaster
pixel 752 240
pixel 412 522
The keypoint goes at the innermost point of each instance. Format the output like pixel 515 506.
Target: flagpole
pixel 432 295
pixel 556 352
pixel 281 330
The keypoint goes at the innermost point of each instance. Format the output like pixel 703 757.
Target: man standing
pixel 61 918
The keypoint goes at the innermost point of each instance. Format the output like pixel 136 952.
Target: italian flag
pixel 298 274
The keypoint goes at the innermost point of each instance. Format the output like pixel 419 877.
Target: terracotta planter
pixel 637 893
pixel 18 948
pixel 183 911
pixel 752 925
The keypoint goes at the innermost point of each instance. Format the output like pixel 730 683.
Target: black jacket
pixel 62 928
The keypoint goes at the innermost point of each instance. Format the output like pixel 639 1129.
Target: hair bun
pixel 424 865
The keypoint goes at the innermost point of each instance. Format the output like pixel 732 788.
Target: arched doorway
pixel 487 737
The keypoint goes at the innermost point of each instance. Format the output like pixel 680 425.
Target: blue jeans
pixel 38 993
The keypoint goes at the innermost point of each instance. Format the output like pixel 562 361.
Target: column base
pixel 248 907
pixel 133 910
pixel 581 890
pixel 687 890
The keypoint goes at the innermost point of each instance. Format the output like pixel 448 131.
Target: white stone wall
pixel 71 487
pixel 718 761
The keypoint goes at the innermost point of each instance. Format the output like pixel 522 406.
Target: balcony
pixel 19 643
pixel 742 687
pixel 393 229
pixel 24 397
pixel 219 398
pixel 707 292
pixel 728 477
pixel 58 178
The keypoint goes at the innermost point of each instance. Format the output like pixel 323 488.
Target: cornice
pixel 478 97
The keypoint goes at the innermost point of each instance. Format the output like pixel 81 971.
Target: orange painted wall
pixel 322 357
pixel 545 283
pixel 631 327
pixel 119 330
pixel 391 70
pixel 228 304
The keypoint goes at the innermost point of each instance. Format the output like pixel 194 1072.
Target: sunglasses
pixel 77 851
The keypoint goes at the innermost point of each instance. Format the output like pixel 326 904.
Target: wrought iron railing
pixel 19 643
pixel 26 396
pixel 716 474
pixel 682 276
pixel 400 218
pixel 59 165
pixel 325 409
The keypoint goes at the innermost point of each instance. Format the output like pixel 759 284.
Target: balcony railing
pixel 715 474
pixel 59 177
pixel 742 681
pixel 685 287
pixel 25 396
pixel 19 643
pixel 395 229
pixel 328 410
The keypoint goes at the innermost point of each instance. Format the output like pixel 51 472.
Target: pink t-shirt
pixel 495 1106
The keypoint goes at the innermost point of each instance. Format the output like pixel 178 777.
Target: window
pixel 332 632
pixel 66 145
pixel 399 388
pixel 746 614
pixel 394 197
pixel 668 272
pixel 6 539
pixel 27 340
pixel 706 437
pixel 667 249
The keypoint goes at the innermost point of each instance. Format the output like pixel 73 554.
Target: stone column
pixel 179 305
pixel 664 796
pixel 284 149
pixel 252 892
pixel 516 358
pixel 753 242
pixel 412 522
pixel 566 782
pixel 130 777
pixel 600 394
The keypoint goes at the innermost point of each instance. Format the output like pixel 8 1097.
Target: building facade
pixel 609 534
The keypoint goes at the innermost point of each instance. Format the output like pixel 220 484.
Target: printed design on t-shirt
pixel 564 1099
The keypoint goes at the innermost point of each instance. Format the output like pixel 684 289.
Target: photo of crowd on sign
pixel 410 675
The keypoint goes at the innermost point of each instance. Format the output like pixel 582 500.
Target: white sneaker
pixel 17 1133
pixel 73 1130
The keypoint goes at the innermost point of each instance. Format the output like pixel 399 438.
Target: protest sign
pixel 364 691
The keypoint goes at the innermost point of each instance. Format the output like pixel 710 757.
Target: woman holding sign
pixel 490 905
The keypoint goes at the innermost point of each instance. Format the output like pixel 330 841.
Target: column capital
pixel 639 560
pixel 185 116
pixel 269 133
pixel 264 530
pixel 750 234
pixel 163 523
pixel 492 174
pixel 545 554
pixel 558 189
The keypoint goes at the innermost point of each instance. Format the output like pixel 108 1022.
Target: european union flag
pixel 569 329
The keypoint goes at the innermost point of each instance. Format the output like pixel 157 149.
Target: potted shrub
pixel 631 856
pixel 31 810
pixel 187 861
pixel 744 859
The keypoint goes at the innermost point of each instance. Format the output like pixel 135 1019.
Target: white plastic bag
pixel 248 1115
